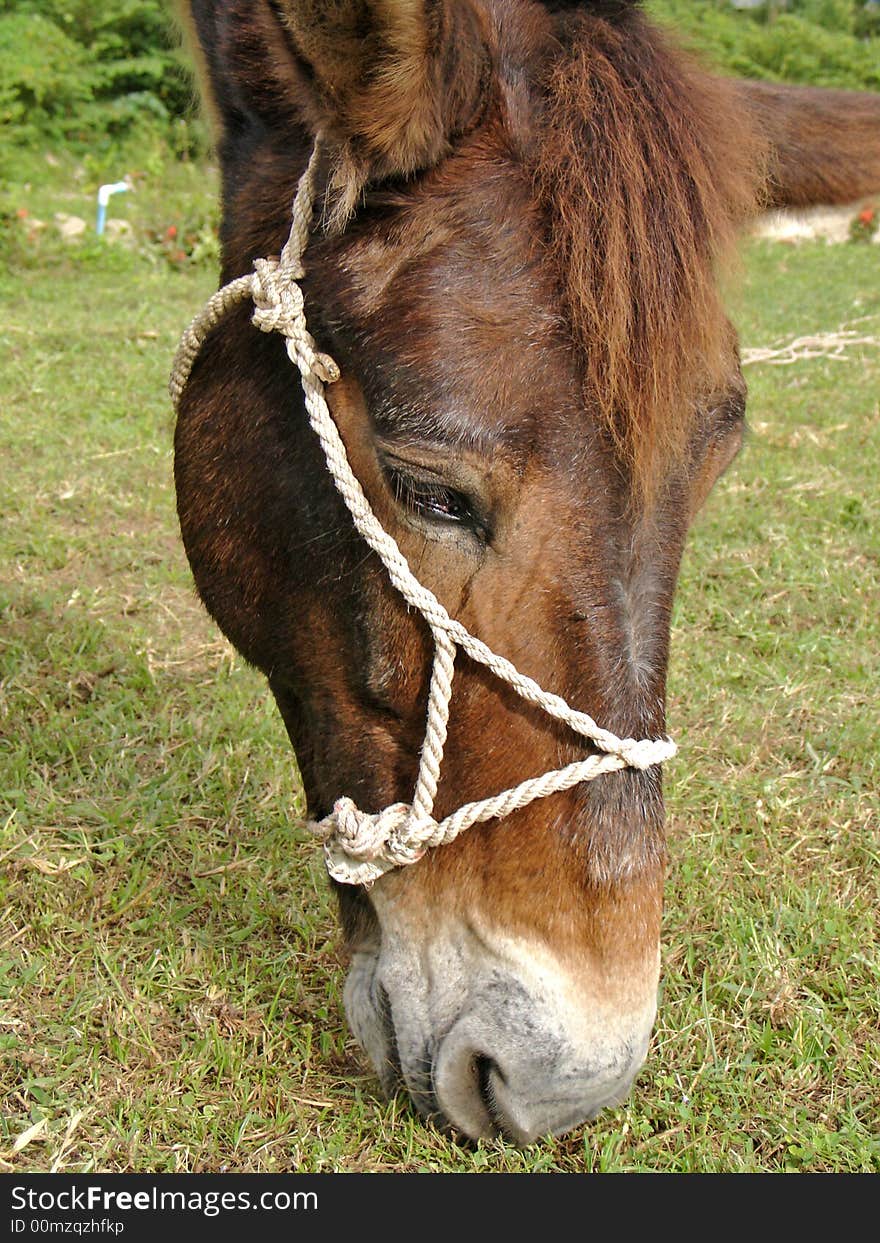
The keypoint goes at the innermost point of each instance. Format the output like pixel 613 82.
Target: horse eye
pixel 433 500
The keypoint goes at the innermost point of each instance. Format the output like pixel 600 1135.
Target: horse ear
pixel 389 83
pixel 246 68
pixel 391 80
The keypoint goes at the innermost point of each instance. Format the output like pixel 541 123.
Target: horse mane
pixel 648 167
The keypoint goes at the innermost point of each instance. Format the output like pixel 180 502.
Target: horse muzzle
pixel 511 1046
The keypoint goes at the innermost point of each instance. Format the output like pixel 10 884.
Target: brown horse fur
pixel 520 292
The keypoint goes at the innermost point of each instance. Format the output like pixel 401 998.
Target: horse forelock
pixel 646 167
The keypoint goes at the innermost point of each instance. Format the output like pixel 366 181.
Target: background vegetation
pixel 77 72
pixel 819 42
pixel 170 974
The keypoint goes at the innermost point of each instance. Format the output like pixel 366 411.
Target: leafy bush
pixel 44 75
pixel 73 69
pixel 865 226
pixel 818 42
pixel 190 243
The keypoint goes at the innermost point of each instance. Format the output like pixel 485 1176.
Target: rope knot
pixel 644 753
pixel 361 846
pixel 362 834
pixel 279 307
pixel 270 314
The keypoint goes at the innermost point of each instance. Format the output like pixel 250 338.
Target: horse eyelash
pixel 435 501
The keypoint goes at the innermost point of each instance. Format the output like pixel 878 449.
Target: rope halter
pixel 360 846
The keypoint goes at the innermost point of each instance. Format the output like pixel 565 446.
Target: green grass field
pixel 170 968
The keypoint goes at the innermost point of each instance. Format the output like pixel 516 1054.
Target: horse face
pixel 509 978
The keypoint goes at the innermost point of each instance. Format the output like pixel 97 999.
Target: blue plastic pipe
pixel 104 195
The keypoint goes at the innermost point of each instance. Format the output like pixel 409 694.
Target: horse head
pixel 522 208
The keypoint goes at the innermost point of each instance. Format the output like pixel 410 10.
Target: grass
pixel 170 967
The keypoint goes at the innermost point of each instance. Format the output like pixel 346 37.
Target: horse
pixel 522 212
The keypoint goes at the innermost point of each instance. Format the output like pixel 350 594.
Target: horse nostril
pixel 534 1082
pixel 484 1069
pixel 393 1072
